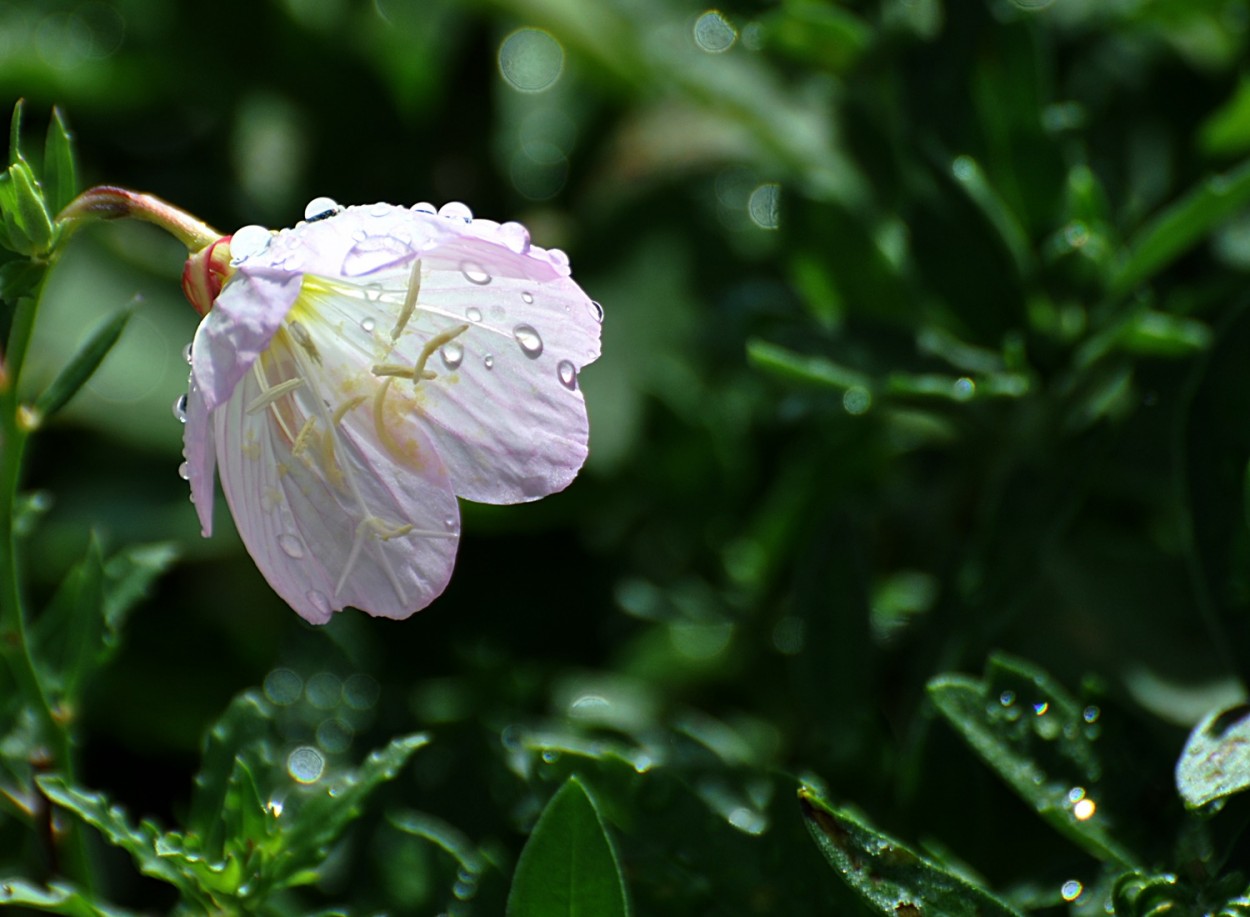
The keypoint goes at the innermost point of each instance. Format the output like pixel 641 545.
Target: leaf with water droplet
pixel 1216 761
pixel 889 875
pixel 1043 752
pixel 568 866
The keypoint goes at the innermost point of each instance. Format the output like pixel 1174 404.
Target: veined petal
pixel 238 328
pixel 330 518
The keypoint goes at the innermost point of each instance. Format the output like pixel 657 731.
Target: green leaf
pixel 15 132
pixel 310 823
pixel 568 867
pixel 141 842
pixel 1181 226
pixel 796 367
pixel 890 876
pixel 128 577
pixel 818 34
pixel 1040 741
pixel 60 175
pixel 972 179
pixel 28 222
pixel 55 898
pixel 1216 760
pixel 83 364
pixel 69 635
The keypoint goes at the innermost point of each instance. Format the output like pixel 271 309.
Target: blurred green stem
pixel 16 421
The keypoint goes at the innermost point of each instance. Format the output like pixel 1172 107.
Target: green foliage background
pixel 926 338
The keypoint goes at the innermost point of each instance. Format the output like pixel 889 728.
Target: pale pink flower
pixel 354 375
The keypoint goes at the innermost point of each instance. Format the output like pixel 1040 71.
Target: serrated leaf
pixel 54 898
pixel 890 876
pixel 60 175
pixel 83 364
pixel 311 823
pixel 1026 727
pixel 140 841
pixel 568 867
pixel 128 577
pixel 1216 760
pixel 1182 225
pixel 243 727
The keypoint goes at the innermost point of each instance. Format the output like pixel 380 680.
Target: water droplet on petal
pixel 367 325
pixel 454 210
pixel 527 297
pixel 380 209
pixel 248 242
pixel 516 237
pixel 376 253
pixel 527 337
pixel 489 361
pixel 184 471
pixel 186 353
pixel 180 408
pixel 596 311
pixel 474 272
pixel 568 375
pixel 558 257
pixel 373 291
pixel 452 354
pixel 473 314
pixel 424 207
pixel 319 601
pixel 291 546
pixel 319 208
pixel 450 523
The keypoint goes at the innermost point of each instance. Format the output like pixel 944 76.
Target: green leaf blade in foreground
pixel 1216 761
pixel 56 898
pixel 1026 727
pixel 568 867
pixel 890 876
pixel 83 364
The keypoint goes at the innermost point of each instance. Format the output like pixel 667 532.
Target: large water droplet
pixel 713 33
pixel 473 314
pixel 424 207
pixel 184 471
pixel 376 253
pixel 320 208
pixel 488 361
pixel 454 210
pixel 568 375
pixel 305 764
pixel 1071 890
pixel 474 272
pixel 452 354
pixel 291 546
pixel 558 258
pixel 186 353
pixel 596 311
pixel 319 602
pixel 180 408
pixel 527 337
pixel 380 209
pixel 516 237
pixel 248 242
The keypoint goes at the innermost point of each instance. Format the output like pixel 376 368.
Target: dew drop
pixel 450 523
pixel 291 546
pixel 452 354
pixel 186 353
pixel 568 375
pixel 489 361
pixel 527 297
pixel 319 602
pixel 305 764
pixel 527 337
pixel 1071 890
pixel 474 272
pixel 557 257
pixel 713 33
pixel 454 210
pixel 380 209
pixel 516 237
pixel 596 311
pixel 376 253
pixel 1007 698
pixel 367 325
pixel 424 207
pixel 1090 714
pixel 320 208
pixel 180 408
pixel 248 242
pixel 373 291
pixel 184 471
pixel 473 314
pixel 550 756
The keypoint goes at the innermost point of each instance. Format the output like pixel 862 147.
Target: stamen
pixel 444 337
pixel 305 340
pixel 379 422
pixel 350 404
pixel 272 394
pixel 393 369
pixel 329 463
pixel 384 531
pixel 305 433
pixel 410 300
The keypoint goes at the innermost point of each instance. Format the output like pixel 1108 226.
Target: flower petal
pixel 330 518
pixel 199 449
pixel 238 328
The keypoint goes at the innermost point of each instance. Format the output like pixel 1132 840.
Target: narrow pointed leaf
pixel 83 364
pixel 1181 226
pixel 244 725
pixel 1035 735
pixel 568 867
pixel 15 132
pixel 890 876
pixel 55 898
pixel 70 633
pixel 60 175
pixel 128 577
pixel 33 225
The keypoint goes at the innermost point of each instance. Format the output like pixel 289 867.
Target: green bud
pixel 26 222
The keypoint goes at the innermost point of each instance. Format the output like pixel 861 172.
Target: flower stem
pixel 106 202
